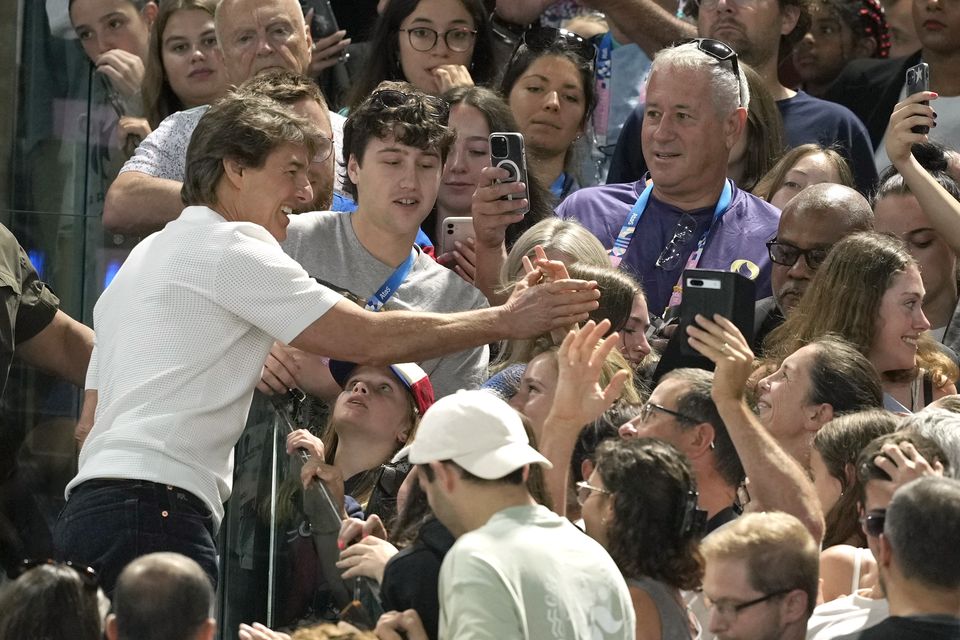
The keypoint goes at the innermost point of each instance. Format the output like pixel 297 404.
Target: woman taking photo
pixel 550 89
pixel 434 45
pixel 869 292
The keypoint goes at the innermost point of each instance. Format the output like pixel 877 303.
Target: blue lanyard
pixel 562 185
pixel 387 289
pixel 622 243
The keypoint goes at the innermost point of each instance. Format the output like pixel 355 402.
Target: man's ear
pixel 586 468
pixel 150 12
pixel 353 168
pixel 702 441
pixel 207 629
pixel 794 607
pixel 735 126
pixel 233 172
pixel 885 551
pixel 111 627
pixel 446 476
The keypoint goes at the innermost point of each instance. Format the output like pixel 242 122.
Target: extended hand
pixel 123 69
pixel 908 114
pixel 326 52
pixel 721 341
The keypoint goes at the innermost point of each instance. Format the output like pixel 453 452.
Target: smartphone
pixel 324 21
pixel 455 228
pixel 918 79
pixel 706 292
pixel 507 152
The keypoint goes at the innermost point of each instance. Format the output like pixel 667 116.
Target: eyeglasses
pixel 872 522
pixel 730 610
pixel 719 51
pixel 431 106
pixel 669 258
pixel 87 575
pixel 540 39
pixel 787 254
pixel 324 149
pixel 584 489
pixel 649 407
pixel 425 38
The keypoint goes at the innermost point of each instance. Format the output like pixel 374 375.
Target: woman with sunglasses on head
pixel 549 84
pixel 434 45
pixel 869 291
pixel 53 601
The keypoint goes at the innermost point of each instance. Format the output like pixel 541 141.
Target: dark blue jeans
pixel 107 523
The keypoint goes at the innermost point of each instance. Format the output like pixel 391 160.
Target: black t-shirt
pixel 911 628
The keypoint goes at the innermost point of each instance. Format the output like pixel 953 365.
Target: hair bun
pixel 930 156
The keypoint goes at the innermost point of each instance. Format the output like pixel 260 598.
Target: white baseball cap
pixel 478 431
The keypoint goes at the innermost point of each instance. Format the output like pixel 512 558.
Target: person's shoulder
pixel 182 122
pixel 313 222
pixel 817 108
pixel 599 198
pixel 756 207
pixel 870 69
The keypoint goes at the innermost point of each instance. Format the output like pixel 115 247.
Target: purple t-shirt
pixel 738 242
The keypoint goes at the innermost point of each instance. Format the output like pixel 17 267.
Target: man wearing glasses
pixel 813 221
pixel 255 37
pixel 685 213
pixel 761 577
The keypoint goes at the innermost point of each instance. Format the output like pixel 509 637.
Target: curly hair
pixel 865 19
pixel 652 484
pixel 410 123
pixel 858 270
pixel 839 443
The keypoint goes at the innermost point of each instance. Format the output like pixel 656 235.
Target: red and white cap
pixel 410 374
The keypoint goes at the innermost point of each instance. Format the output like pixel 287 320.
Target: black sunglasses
pixel 872 522
pixel 432 106
pixel 540 39
pixel 719 51
pixel 87 575
pixel 787 254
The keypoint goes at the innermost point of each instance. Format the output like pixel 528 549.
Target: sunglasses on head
pixel 87 575
pixel 719 51
pixel 431 105
pixel 540 39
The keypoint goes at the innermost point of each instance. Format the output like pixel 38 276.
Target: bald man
pixel 812 222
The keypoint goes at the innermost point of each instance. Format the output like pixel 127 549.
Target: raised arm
pixel 646 22
pixel 491 217
pixel 347 332
pixel 138 203
pixel 778 481
pixel 942 208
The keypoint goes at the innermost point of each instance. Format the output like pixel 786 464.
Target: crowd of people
pixel 533 431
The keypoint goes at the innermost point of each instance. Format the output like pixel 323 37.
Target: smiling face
pixel 784 396
pixel 469 154
pixel 686 143
pixel 813 168
pixel 103 25
pixel 271 192
pixel 441 16
pixel 190 59
pixel 374 402
pixel 902 216
pixel 537 387
pixel 900 323
pixel 548 103
pixel 256 35
pixel 396 184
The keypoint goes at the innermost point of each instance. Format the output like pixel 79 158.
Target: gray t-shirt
pixel 528 573
pixel 163 153
pixel 325 244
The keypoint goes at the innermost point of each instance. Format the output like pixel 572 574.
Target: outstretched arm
pixel 779 483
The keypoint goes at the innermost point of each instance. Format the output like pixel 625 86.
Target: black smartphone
pixel 918 79
pixel 324 22
pixel 706 292
pixel 507 152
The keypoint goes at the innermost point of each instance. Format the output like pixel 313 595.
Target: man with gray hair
pixel 162 596
pixel 919 562
pixel 689 214
pixel 813 221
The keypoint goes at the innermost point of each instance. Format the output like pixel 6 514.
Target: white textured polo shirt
pixel 182 333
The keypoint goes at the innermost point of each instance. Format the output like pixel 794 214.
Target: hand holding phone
pixel 507 152
pixel 918 79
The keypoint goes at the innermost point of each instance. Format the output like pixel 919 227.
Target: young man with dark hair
pixel 395 143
